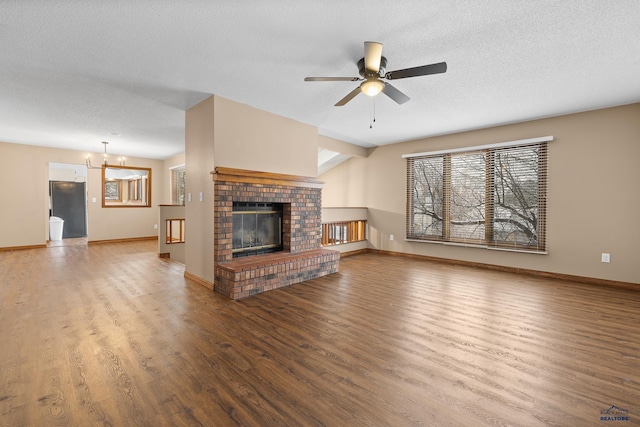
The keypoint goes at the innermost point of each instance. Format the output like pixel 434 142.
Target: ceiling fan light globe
pixel 372 87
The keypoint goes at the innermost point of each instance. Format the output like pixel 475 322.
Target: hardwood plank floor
pixel 112 335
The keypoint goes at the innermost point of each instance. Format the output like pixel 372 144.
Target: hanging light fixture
pixel 105 153
pixel 105 159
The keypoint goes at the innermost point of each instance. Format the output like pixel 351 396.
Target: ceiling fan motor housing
pixel 383 66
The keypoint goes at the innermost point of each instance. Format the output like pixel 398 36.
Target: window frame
pixel 177 182
pixel 117 186
pixel 494 224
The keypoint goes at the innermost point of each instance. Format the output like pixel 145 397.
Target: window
pixel 335 233
pixel 493 196
pixel 178 180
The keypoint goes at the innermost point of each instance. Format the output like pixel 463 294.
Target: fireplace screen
pixel 257 228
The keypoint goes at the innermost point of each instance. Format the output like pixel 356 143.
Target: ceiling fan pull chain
pixel 374 113
pixel 372 118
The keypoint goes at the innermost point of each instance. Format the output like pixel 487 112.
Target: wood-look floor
pixel 112 335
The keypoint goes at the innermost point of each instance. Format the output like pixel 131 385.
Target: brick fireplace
pixel 301 257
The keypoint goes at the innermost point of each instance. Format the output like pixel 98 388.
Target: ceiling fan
pixel 372 70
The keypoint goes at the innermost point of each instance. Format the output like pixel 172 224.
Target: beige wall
pixel 248 138
pixel 124 223
pixel 24 191
pixel 593 200
pixel 331 214
pixel 342 147
pixel 176 251
pixel 199 125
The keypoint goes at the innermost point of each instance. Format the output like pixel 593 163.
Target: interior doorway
pixel 68 198
pixel 68 201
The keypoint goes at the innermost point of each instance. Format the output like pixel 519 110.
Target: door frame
pixel 69 172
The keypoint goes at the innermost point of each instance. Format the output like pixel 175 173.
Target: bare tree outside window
pixel 468 194
pixel 427 197
pixel 517 195
pixel 492 197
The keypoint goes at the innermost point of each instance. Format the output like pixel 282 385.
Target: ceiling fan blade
pixel 395 94
pixel 423 70
pixel 331 79
pixel 349 97
pixel 372 55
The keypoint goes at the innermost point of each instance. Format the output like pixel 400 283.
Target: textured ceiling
pixel 75 73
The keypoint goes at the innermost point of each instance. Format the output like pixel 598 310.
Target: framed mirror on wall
pixel 126 187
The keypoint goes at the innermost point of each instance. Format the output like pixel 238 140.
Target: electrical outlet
pixel 155 226
pixel 606 257
pixel 390 236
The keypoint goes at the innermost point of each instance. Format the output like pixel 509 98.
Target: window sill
pixel 476 246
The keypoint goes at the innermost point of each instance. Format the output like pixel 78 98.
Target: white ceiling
pixel 75 73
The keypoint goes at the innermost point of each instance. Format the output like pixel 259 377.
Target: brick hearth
pixel 302 257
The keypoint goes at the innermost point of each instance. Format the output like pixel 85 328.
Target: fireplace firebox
pixel 257 228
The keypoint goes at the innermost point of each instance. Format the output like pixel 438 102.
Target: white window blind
pixel 467 197
pixel 494 196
